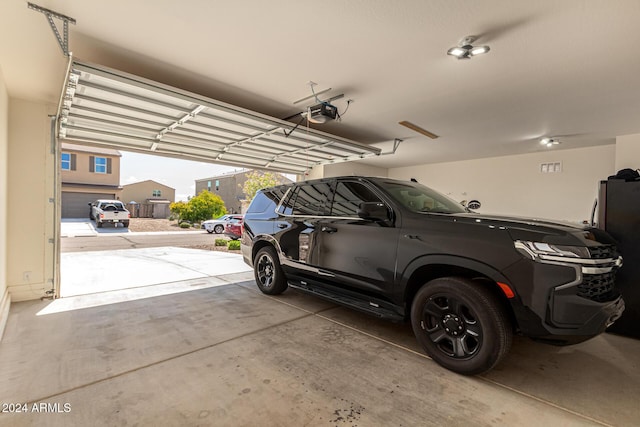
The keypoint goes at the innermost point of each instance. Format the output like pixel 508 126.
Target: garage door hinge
pixel 52 241
pixel 52 200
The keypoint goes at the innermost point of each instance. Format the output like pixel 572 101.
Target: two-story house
pixel 229 187
pixel 87 174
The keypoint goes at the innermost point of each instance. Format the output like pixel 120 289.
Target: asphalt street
pixel 136 241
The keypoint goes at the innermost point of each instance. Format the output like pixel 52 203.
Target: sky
pixel 176 173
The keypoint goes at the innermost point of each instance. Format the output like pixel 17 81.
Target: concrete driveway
pixel 76 227
pixel 95 272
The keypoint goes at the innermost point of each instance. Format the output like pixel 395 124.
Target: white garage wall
pixel 5 298
pixel 353 169
pixel 514 184
pixel 628 152
pixel 30 258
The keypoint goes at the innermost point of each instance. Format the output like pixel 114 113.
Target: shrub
pixel 233 245
pixel 257 181
pixel 221 242
pixel 185 225
pixel 199 208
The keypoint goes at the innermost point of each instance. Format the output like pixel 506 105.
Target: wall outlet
pixel 26 276
pixel 553 167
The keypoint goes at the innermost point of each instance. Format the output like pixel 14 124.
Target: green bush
pixel 234 245
pixel 185 225
pixel 199 208
pixel 221 242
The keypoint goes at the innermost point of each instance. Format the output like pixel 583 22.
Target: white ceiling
pixel 566 68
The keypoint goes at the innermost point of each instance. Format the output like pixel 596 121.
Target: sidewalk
pixel 80 227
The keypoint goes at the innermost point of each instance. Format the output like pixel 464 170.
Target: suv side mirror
pixel 373 211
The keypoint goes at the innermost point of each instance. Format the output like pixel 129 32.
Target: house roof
pixel 229 174
pixel 148 180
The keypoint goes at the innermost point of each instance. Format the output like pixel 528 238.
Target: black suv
pixel 399 250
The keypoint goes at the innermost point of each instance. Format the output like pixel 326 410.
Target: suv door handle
pixel 326 229
pixel 282 225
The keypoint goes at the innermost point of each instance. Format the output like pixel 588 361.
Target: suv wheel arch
pixel 427 272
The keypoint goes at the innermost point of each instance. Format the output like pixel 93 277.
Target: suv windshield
pixel 418 198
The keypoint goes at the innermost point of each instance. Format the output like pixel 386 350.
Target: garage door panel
pixel 75 205
pixel 112 108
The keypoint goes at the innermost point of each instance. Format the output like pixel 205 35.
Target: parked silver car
pixel 217 225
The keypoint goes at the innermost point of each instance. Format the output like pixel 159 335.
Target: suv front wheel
pixel 461 325
pixel 268 272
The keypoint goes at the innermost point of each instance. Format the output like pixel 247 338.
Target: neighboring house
pixel 230 188
pixel 87 174
pixel 148 199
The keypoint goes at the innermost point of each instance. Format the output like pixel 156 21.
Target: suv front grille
pixel 598 287
pixel 603 252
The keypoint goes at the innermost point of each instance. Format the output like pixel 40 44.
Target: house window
pixel 66 161
pixel 100 165
pixel 157 193
pixel 208 185
pixel 217 185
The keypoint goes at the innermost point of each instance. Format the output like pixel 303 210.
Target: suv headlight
pixel 537 250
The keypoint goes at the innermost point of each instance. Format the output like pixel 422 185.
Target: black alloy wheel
pixel 461 324
pixel 268 272
pixel 452 326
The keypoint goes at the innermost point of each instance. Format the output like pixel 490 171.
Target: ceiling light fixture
pixel 549 142
pixel 465 50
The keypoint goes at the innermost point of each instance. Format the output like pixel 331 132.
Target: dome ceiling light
pixel 549 142
pixel 465 50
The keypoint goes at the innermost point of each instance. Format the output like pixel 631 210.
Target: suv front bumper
pixel 566 302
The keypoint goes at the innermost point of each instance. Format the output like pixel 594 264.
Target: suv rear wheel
pixel 268 272
pixel 461 325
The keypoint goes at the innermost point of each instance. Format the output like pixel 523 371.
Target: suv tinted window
pixel 312 199
pixel 349 196
pixel 261 202
pixel 418 198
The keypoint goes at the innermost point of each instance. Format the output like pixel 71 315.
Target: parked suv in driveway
pixel 466 281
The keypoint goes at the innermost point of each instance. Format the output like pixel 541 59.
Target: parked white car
pixel 109 211
pixel 217 225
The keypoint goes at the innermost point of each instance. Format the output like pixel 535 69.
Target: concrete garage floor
pixel 215 351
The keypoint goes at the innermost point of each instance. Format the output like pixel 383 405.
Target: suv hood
pixel 515 221
pixel 542 230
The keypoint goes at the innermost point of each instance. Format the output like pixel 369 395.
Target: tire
pixel 126 224
pixel 218 229
pixel 98 224
pixel 209 231
pixel 461 325
pixel 268 272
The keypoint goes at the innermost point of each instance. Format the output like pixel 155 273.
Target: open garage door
pixel 105 107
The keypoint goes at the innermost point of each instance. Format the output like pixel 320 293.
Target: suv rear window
pixel 311 199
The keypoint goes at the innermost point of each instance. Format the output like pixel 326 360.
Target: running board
pixel 368 307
